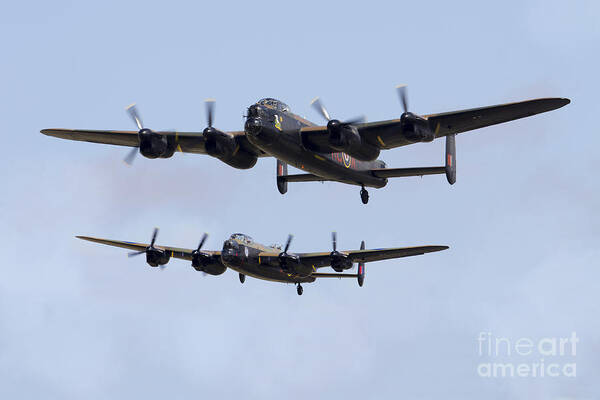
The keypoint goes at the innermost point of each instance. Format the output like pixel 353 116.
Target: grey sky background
pixel 77 319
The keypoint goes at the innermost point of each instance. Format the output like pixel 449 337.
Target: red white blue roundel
pixel 346 159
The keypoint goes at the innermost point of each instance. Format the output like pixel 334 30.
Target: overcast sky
pixel 82 320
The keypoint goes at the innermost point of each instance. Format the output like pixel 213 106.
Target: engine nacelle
pixel 342 136
pixel 226 148
pixel 291 264
pixel 415 128
pixel 346 138
pixel 340 262
pixel 153 145
pixel 155 257
pixel 208 263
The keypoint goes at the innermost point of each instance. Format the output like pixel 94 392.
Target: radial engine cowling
pixel 415 128
pixel 226 148
pixel 346 138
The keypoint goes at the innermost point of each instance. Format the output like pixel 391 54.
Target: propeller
pixel 197 254
pixel 318 105
pixel 284 256
pixel 151 247
pixel 287 244
pixel 401 89
pixel 414 127
pixel 202 241
pixel 136 253
pixel 337 259
pixel 334 242
pixel 210 110
pixel 135 116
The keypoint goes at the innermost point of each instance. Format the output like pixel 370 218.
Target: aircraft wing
pixel 187 142
pixel 319 260
pixel 176 252
pixel 388 134
pixel 475 118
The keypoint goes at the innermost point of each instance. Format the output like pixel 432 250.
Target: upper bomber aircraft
pixel 242 254
pixel 342 151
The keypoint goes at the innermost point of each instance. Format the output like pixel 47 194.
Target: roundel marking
pixel 346 159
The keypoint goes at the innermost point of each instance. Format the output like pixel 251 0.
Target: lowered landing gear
pixel 364 195
pixel 242 278
pixel 299 289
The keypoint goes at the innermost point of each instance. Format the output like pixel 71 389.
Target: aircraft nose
pixel 254 111
pixel 253 126
pixel 228 249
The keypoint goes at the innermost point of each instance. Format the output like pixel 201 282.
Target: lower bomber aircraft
pixel 247 257
pixel 342 151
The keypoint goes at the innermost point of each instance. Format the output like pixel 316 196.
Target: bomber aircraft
pixel 344 151
pixel 247 257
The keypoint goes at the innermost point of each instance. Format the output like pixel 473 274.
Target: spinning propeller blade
pixel 154 237
pixel 135 116
pixel 287 244
pixel 132 111
pixel 130 156
pixel 210 110
pixel 202 241
pixel 334 240
pixel 401 89
pixel 356 120
pixel 318 105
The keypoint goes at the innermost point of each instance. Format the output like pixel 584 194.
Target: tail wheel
pixel 299 290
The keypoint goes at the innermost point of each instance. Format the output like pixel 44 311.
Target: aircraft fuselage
pixel 278 133
pixel 242 254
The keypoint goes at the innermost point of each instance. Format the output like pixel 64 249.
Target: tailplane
pixel 449 168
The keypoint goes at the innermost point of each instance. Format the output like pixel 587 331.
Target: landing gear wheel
pixel 364 195
pixel 299 290
pixel 242 278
